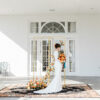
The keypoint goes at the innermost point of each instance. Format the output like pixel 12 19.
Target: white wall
pixel 13 44
pixel 14 32
pixel 89 45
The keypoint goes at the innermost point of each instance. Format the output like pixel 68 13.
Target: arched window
pixel 53 27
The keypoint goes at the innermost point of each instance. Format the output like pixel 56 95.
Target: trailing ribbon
pixel 64 64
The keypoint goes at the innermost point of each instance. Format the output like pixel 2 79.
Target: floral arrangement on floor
pixel 37 84
pixel 40 83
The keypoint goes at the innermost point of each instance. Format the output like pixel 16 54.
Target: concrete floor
pixel 50 98
pixel 94 82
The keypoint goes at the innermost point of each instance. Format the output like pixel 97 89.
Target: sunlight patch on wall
pixel 14 54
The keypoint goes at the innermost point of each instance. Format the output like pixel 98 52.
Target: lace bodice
pixel 56 55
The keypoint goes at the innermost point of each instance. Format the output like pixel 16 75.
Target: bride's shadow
pixel 67 90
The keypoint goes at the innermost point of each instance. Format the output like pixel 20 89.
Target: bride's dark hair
pixel 57 45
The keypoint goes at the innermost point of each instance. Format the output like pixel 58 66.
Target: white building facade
pixel 26 40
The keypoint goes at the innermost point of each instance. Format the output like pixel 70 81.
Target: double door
pixel 43 48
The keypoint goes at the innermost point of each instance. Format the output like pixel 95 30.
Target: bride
pixel 56 84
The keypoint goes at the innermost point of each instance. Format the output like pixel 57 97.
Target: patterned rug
pixel 69 91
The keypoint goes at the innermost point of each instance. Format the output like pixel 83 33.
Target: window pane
pixel 53 27
pixel 46 51
pixel 34 27
pixel 34 55
pixel 72 55
pixel 71 27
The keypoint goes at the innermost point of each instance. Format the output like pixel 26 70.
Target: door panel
pixel 41 50
pixel 71 55
pixel 46 52
pixel 34 55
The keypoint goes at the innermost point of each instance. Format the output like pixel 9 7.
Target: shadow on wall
pixel 13 50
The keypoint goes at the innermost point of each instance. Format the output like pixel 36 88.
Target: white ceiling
pixel 25 7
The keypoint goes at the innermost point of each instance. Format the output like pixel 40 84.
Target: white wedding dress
pixel 56 84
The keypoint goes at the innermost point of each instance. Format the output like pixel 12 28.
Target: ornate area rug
pixel 69 91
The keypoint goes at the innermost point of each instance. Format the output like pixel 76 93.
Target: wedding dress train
pixel 56 84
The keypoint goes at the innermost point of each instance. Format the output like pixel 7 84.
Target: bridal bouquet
pixel 62 57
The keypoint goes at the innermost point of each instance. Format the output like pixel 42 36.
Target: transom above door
pixel 53 27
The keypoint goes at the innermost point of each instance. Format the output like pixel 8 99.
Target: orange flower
pixel 36 78
pixel 37 83
pixel 33 87
pixel 52 64
pixel 62 57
